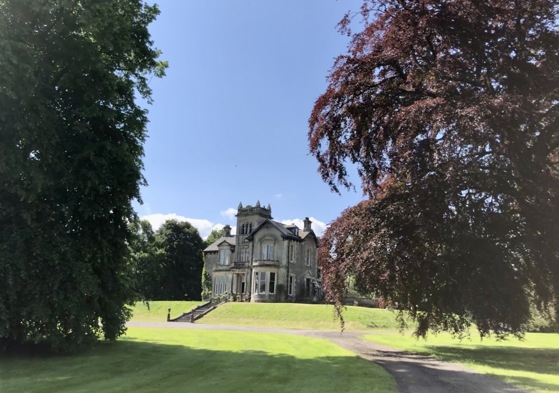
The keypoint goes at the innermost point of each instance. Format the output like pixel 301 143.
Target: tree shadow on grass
pixel 535 360
pixel 140 367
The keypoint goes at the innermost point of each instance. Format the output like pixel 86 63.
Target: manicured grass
pixel 532 364
pixel 157 311
pixel 300 316
pixel 192 360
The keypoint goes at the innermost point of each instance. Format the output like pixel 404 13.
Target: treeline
pixel 166 264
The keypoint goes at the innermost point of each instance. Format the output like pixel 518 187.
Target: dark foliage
pixel 70 164
pixel 167 264
pixel 146 261
pixel 449 109
pixel 181 261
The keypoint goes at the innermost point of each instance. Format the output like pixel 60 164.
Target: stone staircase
pixel 196 313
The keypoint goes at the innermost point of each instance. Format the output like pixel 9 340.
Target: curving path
pixel 413 373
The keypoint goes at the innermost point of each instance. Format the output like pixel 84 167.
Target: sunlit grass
pixel 300 316
pixel 193 360
pixel 156 311
pixel 532 364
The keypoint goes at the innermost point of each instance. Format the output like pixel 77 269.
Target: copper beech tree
pixel 449 110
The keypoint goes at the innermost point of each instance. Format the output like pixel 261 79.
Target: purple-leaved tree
pixel 449 109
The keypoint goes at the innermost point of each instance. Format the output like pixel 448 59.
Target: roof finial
pixel 240 205
pixel 258 203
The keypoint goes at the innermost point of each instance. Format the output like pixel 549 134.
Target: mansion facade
pixel 266 261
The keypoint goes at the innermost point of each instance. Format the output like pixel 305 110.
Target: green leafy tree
pixel 147 261
pixel 71 151
pixel 449 110
pixel 213 236
pixel 206 283
pixel 182 262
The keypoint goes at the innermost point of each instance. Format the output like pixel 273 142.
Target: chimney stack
pixel 307 225
pixel 227 230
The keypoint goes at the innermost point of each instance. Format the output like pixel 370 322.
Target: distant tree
pixel 213 236
pixel 182 261
pixel 147 261
pixel 70 164
pixel 449 110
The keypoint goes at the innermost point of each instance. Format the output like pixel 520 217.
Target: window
pixel 220 285
pixel 246 229
pixel 245 255
pixel 267 251
pixel 308 258
pixel 272 284
pixel 291 285
pixel 262 287
pixel 259 282
pixel 291 252
pixel 224 256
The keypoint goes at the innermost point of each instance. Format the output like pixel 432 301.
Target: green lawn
pixel 192 360
pixel 532 364
pixel 300 316
pixel 157 311
pixel 186 360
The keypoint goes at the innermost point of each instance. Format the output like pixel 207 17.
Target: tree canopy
pixel 449 110
pixel 182 261
pixel 167 264
pixel 146 260
pixel 213 236
pixel 71 152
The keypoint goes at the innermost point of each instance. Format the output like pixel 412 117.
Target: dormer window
pixel 224 256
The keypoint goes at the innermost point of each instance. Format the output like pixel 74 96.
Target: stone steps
pixel 196 313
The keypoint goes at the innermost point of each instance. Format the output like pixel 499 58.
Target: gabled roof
pixel 284 230
pixel 304 234
pixel 215 245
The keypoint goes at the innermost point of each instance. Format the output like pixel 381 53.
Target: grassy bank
pixel 300 316
pixel 532 364
pixel 185 360
pixel 156 311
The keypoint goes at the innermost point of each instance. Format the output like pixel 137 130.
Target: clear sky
pixel 229 122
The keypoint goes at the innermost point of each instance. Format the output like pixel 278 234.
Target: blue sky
pixel 229 121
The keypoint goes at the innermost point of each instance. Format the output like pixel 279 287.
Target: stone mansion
pixel 266 261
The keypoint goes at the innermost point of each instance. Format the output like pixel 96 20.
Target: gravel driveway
pixel 413 373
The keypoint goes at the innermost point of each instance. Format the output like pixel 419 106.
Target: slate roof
pixel 284 230
pixel 215 245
